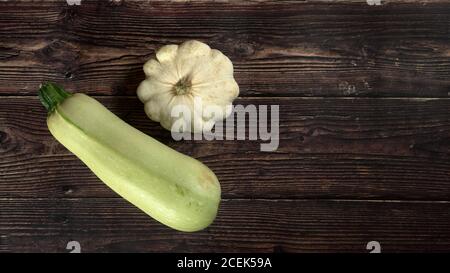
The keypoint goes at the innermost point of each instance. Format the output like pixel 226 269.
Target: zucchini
pixel 176 190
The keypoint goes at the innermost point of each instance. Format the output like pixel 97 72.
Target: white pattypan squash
pixel 188 87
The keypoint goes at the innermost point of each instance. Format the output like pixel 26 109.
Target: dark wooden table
pixel 364 97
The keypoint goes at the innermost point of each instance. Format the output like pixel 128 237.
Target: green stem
pixel 51 95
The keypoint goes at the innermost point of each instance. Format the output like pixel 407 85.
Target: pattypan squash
pixel 192 76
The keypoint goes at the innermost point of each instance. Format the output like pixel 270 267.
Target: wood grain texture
pixel 112 225
pixel 364 141
pixel 279 48
pixel 328 148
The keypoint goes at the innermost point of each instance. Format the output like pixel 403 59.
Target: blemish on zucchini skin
pixel 191 203
pixel 179 190
pixel 196 205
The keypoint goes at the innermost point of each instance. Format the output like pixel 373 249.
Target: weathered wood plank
pixel 329 148
pixel 113 225
pixel 279 48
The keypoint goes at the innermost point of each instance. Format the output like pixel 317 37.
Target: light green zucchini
pixel 175 189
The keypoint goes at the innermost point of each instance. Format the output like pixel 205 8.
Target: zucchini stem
pixel 51 95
